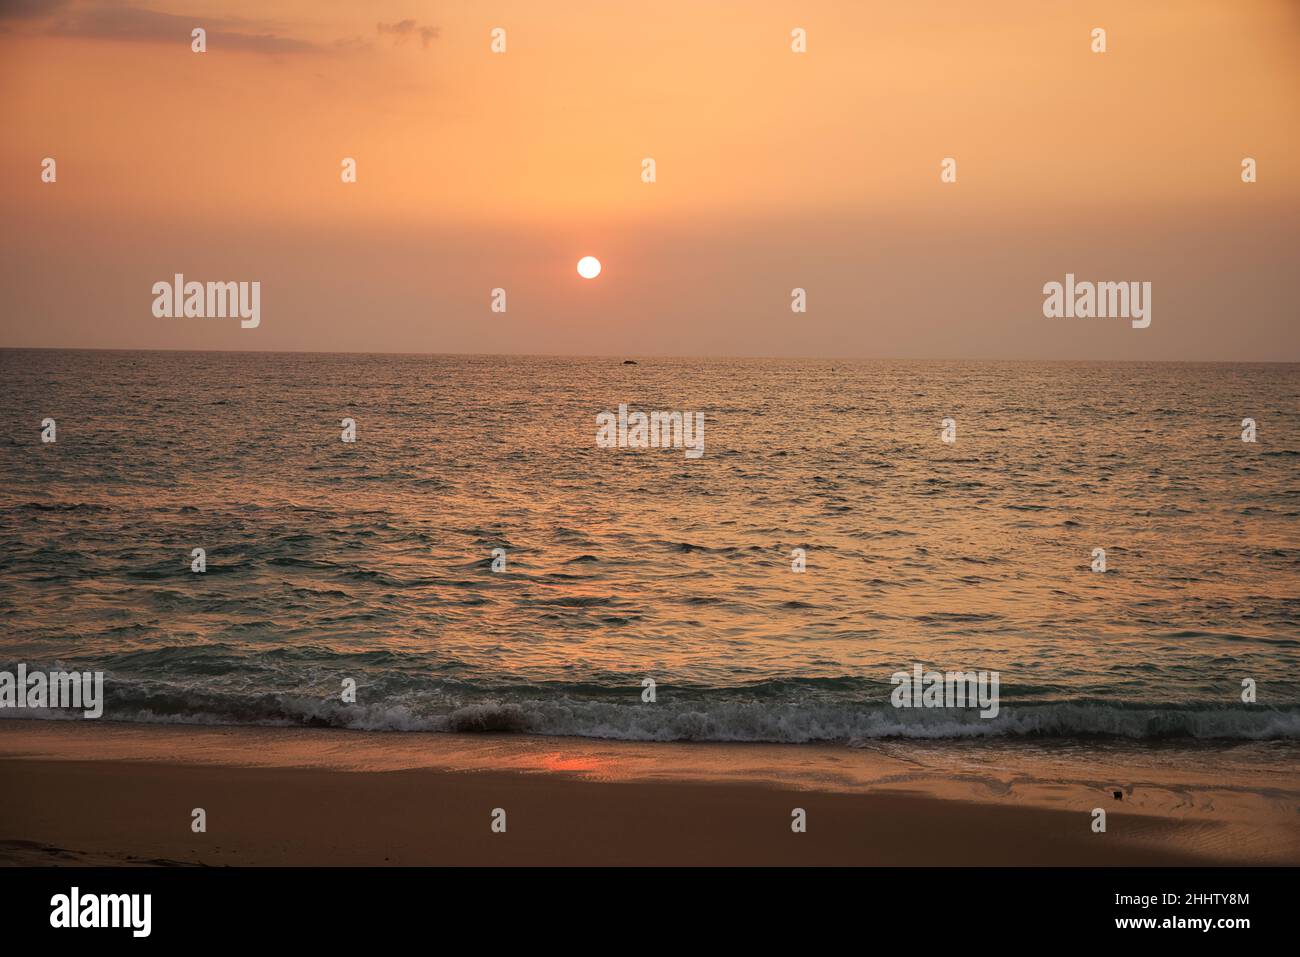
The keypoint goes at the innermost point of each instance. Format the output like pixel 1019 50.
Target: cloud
pixel 124 23
pixel 403 30
pixel 29 9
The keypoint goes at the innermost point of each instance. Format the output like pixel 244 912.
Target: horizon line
pixel 637 358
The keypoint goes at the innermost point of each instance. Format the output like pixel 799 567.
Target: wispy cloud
pixel 127 23
pixel 124 22
pixel 403 30
pixel 29 9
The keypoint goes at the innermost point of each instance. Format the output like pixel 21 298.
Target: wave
pixel 724 719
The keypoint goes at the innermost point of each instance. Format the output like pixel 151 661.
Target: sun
pixel 588 267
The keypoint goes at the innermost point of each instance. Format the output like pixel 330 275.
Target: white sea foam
pixel 734 720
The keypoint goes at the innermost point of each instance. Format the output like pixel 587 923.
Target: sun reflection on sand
pixel 559 761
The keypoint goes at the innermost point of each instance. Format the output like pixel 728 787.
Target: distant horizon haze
pixel 638 357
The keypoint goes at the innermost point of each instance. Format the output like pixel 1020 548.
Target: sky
pixel 775 170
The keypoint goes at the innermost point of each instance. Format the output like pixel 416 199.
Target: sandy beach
pixel 123 794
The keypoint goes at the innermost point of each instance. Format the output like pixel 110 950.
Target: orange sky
pixel 775 170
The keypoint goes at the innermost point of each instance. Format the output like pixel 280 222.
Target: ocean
pixel 371 562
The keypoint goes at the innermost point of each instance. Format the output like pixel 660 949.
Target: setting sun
pixel 588 267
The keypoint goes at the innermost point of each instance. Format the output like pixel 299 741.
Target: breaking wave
pixel 725 717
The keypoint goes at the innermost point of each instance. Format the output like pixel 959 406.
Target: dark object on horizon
pixel 1119 795
pixel 629 362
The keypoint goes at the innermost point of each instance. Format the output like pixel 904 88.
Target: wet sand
pixel 81 793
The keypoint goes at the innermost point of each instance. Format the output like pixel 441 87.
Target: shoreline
pixel 123 794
